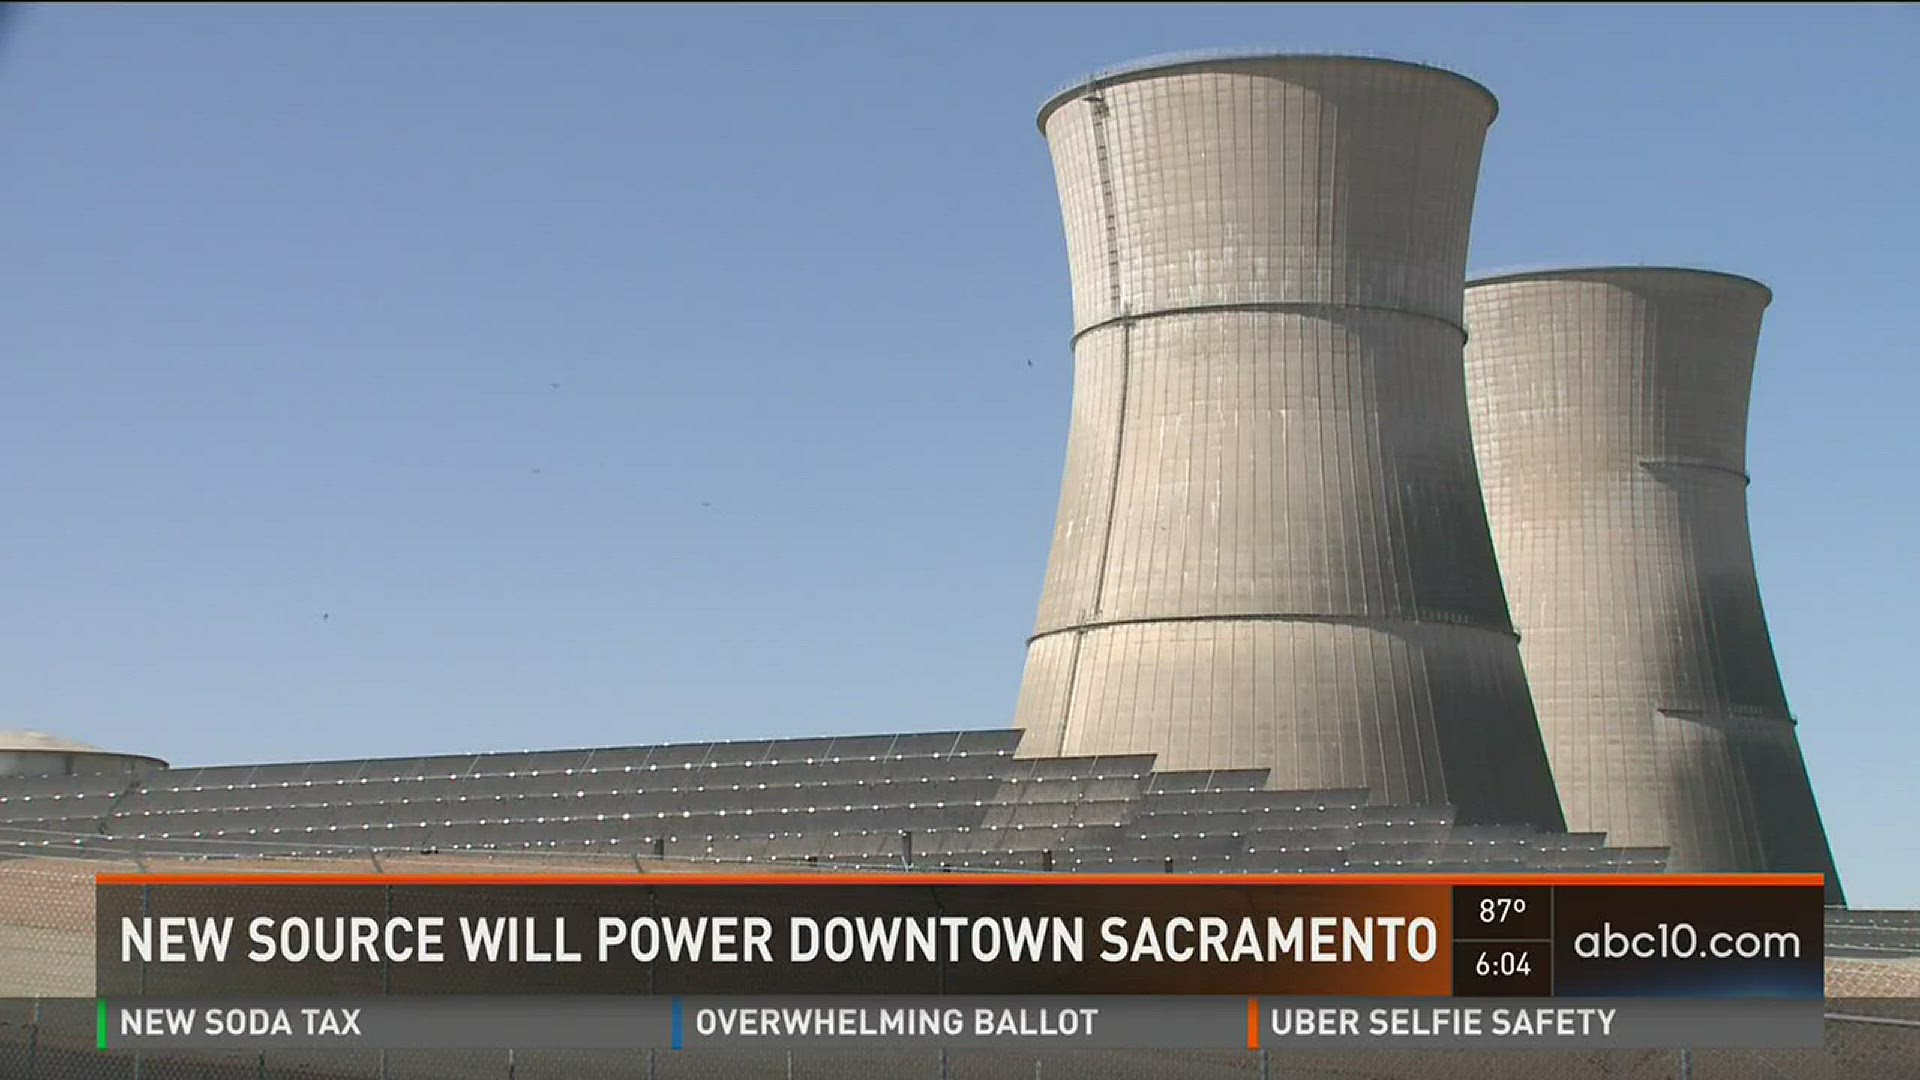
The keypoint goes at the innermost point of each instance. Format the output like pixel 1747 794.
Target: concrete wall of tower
pixel 1610 421
pixel 1271 550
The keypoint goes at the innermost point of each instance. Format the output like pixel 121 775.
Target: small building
pixel 36 753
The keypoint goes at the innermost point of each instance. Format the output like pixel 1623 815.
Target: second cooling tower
pixel 1271 550
pixel 1610 418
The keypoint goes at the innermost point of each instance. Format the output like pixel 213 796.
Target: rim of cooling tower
pixel 1167 63
pixel 1601 270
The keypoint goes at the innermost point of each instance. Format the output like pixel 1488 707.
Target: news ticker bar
pixel 1314 936
pixel 978 1022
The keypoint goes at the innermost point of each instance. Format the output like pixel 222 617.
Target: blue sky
pixel 402 380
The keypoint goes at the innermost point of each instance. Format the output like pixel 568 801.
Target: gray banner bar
pixel 1057 1023
pixel 1539 1023
pixel 961 1022
pixel 394 1023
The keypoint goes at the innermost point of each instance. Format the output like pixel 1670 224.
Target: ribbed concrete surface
pixel 1610 417
pixel 1271 550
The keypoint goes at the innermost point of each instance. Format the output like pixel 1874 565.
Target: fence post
pixel 509 1063
pixel 1686 1064
pixel 33 1039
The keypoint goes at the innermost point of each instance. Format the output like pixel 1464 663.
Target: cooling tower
pixel 1271 550
pixel 1610 421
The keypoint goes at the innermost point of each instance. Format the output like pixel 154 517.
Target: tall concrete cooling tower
pixel 1610 420
pixel 1271 550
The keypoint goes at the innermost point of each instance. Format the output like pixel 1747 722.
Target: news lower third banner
pixel 663 961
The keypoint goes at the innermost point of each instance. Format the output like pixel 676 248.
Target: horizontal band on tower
pixel 1371 621
pixel 1277 307
pixel 1728 717
pixel 1650 464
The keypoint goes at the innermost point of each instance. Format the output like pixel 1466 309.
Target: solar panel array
pixel 1874 934
pixel 958 800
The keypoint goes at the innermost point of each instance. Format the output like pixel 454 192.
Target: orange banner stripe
pixel 830 880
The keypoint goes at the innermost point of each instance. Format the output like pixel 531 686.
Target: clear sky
pixel 402 380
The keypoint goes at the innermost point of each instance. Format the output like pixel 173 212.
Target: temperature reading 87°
pixel 1503 913
pixel 1498 909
